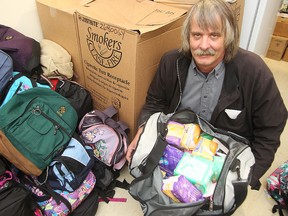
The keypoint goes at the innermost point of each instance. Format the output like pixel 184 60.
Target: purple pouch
pixel 169 160
pixel 185 191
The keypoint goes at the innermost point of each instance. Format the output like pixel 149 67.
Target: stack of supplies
pixel 191 163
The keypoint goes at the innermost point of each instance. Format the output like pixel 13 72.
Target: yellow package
pixel 167 187
pixel 206 147
pixel 175 132
pixel 190 136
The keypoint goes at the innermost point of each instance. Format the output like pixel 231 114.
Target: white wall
pixel 21 15
pixel 257 25
pixel 250 13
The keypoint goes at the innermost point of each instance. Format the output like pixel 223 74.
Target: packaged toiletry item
pixel 206 147
pixel 175 132
pixel 169 160
pixel 167 187
pixel 196 169
pixel 190 136
pixel 185 191
pixel 218 163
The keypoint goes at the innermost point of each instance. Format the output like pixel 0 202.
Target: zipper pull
pixel 235 167
pixel 211 203
pixel 56 127
pixel 36 111
pixel 238 173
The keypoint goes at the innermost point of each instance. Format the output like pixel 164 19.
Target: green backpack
pixel 35 126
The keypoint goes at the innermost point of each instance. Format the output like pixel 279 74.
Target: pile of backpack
pixel 57 154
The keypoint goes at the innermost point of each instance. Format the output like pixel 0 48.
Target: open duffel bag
pixel 225 188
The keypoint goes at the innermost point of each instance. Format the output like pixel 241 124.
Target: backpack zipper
pixel 18 88
pixel 119 147
pixel 37 111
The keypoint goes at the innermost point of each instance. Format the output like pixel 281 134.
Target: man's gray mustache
pixel 204 52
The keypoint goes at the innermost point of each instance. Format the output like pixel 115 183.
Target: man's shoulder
pixel 250 65
pixel 247 56
pixel 174 53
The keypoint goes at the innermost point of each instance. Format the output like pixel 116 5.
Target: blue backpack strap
pixel 19 75
pixel 7 87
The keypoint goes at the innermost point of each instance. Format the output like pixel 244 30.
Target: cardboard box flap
pixel 132 15
pixel 189 2
pixel 67 6
pixel 85 2
pixel 185 2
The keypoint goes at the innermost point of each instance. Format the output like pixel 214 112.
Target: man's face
pixel 207 47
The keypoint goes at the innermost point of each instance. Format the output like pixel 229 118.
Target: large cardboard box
pixel 285 57
pixel 277 47
pixel 58 24
pixel 142 30
pixel 281 27
pixel 237 6
pixel 121 43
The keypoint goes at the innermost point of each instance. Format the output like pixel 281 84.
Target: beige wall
pixel 21 15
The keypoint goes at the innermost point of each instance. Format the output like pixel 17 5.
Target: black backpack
pixel 88 207
pixel 79 97
pixel 15 200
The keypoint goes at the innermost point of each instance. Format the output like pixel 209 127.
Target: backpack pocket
pixel 68 170
pixel 105 141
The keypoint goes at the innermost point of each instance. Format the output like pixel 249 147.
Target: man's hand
pixel 132 146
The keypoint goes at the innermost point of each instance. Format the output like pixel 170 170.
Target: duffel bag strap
pixel 158 149
pixel 240 190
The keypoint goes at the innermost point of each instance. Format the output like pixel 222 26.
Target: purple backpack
pixel 106 136
pixel 24 51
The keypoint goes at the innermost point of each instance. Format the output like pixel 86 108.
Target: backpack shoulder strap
pixel 107 116
pixel 110 111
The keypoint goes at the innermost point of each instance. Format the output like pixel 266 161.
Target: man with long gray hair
pixel 230 87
